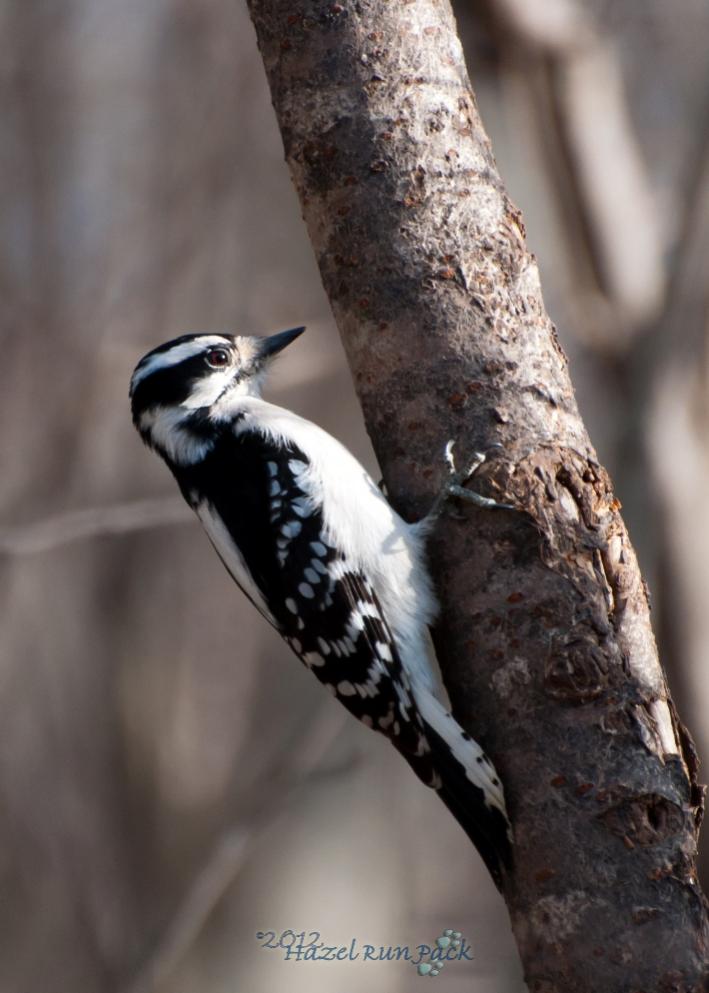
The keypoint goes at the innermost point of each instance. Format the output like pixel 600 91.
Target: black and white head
pixel 186 381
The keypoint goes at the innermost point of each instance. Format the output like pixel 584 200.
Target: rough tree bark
pixel 545 639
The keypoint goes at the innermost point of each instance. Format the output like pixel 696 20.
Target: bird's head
pixel 186 378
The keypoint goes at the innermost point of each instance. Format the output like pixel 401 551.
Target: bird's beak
pixel 268 347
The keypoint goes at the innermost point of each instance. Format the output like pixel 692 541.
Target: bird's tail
pixel 469 785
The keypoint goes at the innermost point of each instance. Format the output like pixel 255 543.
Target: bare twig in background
pixel 209 886
pixel 559 63
pixel 92 522
pixel 676 378
pixel 232 848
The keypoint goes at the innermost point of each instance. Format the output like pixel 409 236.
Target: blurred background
pixel 172 781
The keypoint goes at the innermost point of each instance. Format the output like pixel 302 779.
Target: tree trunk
pixel 544 640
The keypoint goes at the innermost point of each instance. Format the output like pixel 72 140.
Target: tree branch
pixel 545 640
pixel 90 522
pixel 231 850
pixel 571 78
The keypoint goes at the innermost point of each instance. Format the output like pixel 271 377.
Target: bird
pixel 315 545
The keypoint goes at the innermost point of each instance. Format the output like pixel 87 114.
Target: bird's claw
pixel 454 487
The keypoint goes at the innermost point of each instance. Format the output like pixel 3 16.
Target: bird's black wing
pixel 256 501
pixel 327 610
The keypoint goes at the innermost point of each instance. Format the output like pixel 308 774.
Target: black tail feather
pixel 486 826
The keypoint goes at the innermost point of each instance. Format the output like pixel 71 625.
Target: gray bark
pixel 545 639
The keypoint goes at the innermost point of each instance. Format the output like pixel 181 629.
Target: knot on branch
pixel 644 820
pixel 577 671
pixel 571 500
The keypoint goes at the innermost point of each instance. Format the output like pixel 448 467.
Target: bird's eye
pixel 218 358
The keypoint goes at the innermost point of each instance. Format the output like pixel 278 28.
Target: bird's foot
pixel 454 488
